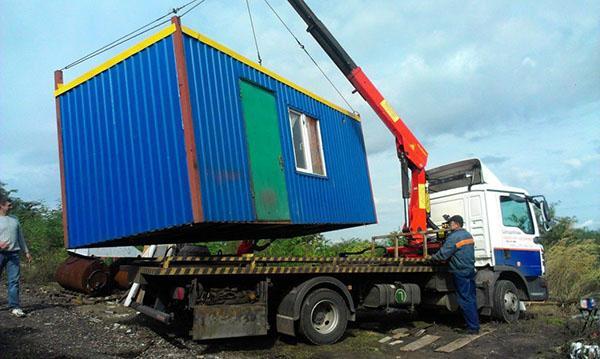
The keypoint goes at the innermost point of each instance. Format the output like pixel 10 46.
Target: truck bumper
pixel 537 288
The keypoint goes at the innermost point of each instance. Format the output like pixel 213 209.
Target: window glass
pixel 298 140
pixel 516 214
pixel 306 138
pixel 314 139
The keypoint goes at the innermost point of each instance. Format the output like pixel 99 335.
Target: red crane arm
pixel 409 148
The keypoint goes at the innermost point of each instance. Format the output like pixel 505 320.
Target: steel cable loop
pixel 301 45
pixel 135 33
pixel 253 33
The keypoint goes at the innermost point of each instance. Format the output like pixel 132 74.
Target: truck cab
pixel 502 221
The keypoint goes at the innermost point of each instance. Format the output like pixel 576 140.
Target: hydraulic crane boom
pixel 410 151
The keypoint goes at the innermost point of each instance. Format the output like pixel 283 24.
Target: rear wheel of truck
pixel 323 317
pixel 507 306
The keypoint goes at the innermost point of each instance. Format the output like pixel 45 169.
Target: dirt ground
pixel 61 325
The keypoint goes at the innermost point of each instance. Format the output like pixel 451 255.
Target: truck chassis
pixel 314 297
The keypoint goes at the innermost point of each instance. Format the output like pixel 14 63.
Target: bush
pixel 41 270
pixel 314 245
pixel 573 269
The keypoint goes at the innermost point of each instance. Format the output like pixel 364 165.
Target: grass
pixel 42 268
pixel 573 270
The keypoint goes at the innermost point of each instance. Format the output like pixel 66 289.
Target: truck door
pixel 516 247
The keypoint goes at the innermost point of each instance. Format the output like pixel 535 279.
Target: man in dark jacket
pixel 459 251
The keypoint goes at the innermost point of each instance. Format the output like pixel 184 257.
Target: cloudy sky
pixel 516 84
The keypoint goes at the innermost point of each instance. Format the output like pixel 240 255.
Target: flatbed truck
pixel 222 296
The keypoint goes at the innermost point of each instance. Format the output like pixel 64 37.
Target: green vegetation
pixel 42 228
pixel 310 245
pixel 572 260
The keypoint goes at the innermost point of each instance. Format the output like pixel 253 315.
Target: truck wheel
pixel 323 317
pixel 507 306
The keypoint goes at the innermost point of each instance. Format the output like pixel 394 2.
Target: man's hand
pixel 3 245
pixel 28 256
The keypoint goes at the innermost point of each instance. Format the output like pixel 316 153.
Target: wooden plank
pixel 399 330
pixel 400 335
pixel 385 340
pixel 460 342
pixel 396 342
pixel 418 344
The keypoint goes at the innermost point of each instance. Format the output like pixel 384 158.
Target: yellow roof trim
pixel 115 60
pixel 264 70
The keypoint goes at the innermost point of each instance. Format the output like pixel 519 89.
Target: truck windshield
pixel 516 214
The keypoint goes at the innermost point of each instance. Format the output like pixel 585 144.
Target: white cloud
pixel 528 62
pixel 586 159
pixel 574 162
pixel 462 64
pixel 587 223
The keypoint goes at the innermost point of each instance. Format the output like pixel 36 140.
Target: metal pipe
pixel 406 234
pixel 163 317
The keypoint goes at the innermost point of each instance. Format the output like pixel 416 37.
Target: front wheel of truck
pixel 507 306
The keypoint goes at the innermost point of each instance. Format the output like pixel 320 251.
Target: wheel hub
pixel 325 316
pixel 511 302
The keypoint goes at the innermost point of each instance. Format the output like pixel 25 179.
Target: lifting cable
pixel 309 55
pixel 253 33
pixel 137 32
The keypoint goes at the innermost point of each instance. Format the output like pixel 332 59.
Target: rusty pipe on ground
pixel 83 274
pixel 163 317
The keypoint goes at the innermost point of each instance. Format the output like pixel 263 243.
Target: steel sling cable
pixel 309 55
pixel 135 33
pixel 253 33
pixel 193 7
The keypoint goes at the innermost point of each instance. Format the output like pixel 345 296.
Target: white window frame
pixel 306 140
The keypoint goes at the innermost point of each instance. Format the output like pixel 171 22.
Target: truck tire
pixel 507 306
pixel 323 317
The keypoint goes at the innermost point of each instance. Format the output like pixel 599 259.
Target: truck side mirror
pixel 544 208
pixel 545 211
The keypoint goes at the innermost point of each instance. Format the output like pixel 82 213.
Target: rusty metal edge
pixel 58 80
pixel 188 123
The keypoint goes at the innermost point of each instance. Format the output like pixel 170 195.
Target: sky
pixel 516 84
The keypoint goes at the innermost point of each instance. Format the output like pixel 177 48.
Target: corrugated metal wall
pixel 344 196
pixel 125 168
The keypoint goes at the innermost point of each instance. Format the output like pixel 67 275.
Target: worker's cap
pixel 456 219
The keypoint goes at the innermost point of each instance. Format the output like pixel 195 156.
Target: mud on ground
pixel 59 325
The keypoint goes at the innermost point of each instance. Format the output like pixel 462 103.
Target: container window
pixel 308 149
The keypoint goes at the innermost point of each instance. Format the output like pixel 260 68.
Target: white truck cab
pixel 501 219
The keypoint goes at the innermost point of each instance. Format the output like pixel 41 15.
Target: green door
pixel 264 151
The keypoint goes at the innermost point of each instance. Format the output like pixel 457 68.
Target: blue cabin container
pixel 180 139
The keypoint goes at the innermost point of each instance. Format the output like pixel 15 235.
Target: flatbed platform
pixel 253 265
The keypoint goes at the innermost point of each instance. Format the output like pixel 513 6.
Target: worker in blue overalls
pixel 459 251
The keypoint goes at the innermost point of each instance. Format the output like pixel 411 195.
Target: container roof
pixel 204 39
